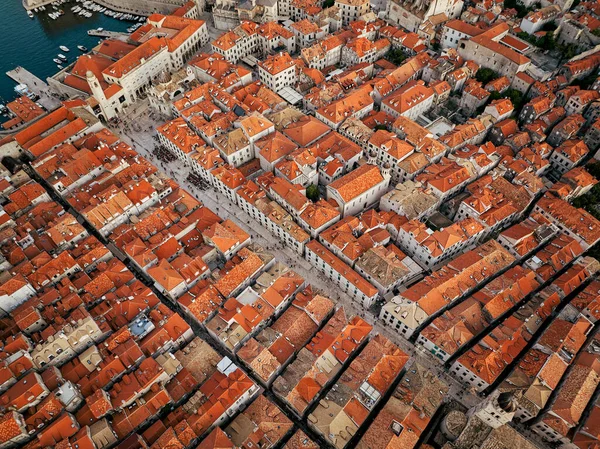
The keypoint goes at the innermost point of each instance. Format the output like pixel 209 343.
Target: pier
pixel 32 4
pixel 35 85
pixel 109 34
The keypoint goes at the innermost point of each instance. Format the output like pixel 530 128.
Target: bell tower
pixel 496 410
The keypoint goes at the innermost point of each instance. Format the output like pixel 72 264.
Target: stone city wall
pixel 142 7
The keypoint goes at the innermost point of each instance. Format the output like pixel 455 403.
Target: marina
pixel 44 36
pixel 28 83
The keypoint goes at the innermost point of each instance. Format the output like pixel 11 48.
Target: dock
pixel 32 4
pixel 109 34
pixel 35 85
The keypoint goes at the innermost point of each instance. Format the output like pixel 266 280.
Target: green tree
pixel 594 169
pixel 567 51
pixel 522 10
pixel 528 38
pixel 395 56
pixel 495 95
pixel 586 82
pixel 515 97
pixel 549 26
pixel 485 75
pixel 312 192
pixel 547 41
pixel 380 126
pixel 591 200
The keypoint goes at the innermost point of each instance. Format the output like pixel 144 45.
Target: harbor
pixel 107 34
pixel 34 86
pixel 44 37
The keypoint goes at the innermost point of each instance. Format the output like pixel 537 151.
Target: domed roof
pixel 164 77
pixel 507 402
pixel 454 423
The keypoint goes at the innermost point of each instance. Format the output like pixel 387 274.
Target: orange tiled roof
pixel 357 182
pixel 275 64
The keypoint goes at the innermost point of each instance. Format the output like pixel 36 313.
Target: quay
pixel 32 4
pixel 109 34
pixel 35 85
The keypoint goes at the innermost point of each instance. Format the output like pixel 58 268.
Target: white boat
pixel 58 61
pixel 59 66
pixel 22 89
pixel 61 56
pixel 30 14
pixel 63 48
pixel 82 48
pixel 99 29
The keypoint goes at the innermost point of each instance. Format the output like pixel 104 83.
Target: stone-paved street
pixel 139 132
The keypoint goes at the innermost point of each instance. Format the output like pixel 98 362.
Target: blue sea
pixel 33 43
